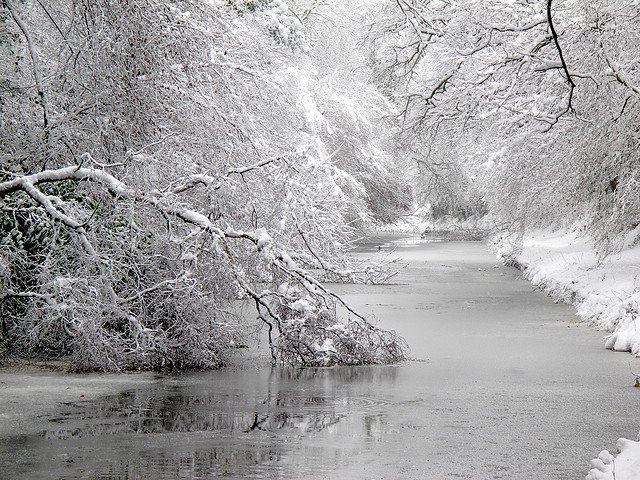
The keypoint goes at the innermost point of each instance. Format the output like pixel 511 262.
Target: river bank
pixel 606 295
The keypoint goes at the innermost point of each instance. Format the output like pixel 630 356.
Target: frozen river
pixel 508 386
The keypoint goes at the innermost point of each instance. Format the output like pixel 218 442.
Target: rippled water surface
pixel 507 386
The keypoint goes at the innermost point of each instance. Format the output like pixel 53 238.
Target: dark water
pixel 509 387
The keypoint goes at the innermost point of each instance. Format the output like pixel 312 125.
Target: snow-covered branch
pixel 208 181
pixel 275 255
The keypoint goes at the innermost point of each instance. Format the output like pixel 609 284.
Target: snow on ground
pixel 626 466
pixel 606 295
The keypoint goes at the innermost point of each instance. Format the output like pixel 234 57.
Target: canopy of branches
pixel 527 109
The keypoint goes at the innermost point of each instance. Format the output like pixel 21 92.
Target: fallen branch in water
pixel 304 317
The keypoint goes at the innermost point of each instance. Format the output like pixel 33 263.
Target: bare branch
pixel 554 34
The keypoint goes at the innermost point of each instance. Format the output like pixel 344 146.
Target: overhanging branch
pixel 387 346
pixel 554 34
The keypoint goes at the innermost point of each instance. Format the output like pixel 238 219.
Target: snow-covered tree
pixel 529 103
pixel 157 164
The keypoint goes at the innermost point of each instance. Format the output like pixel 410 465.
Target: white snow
pixel 189 257
pixel 327 346
pixel 302 306
pixel 63 283
pixel 626 466
pixel 264 239
pixel 288 290
pixel 288 261
pixel 338 327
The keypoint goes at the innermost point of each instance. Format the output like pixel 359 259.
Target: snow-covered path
pixel 512 387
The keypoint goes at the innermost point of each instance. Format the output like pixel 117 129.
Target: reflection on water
pixel 204 425
pixel 508 392
pixel 164 411
pixel 199 408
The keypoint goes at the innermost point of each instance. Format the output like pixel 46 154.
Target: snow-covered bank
pixel 626 466
pixel 606 294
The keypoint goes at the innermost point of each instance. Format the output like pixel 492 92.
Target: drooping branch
pixel 292 345
pixel 55 213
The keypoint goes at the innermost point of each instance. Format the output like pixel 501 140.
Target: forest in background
pixel 523 109
pixel 161 160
